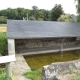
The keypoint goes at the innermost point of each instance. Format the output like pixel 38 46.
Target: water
pixel 40 60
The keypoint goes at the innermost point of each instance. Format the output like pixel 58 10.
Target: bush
pixel 3 19
pixel 3 43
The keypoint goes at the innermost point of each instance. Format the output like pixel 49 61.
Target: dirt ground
pixel 3 29
pixel 74 75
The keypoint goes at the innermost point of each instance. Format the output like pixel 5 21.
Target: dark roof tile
pixel 20 29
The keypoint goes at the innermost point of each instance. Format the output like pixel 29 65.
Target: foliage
pixel 3 75
pixel 78 6
pixel 77 76
pixel 3 43
pixel 56 12
pixel 78 10
pixel 19 13
pixel 34 75
pixel 65 18
pixel 3 19
pixel 44 15
pixel 78 18
pixel 33 14
pixel 70 69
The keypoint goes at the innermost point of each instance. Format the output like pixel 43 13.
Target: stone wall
pixel 41 43
pixel 50 72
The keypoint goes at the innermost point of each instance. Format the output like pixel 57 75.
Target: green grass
pixel 77 77
pixel 34 75
pixel 3 74
pixel 3 43
pixel 71 69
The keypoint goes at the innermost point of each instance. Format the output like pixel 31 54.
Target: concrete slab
pixel 19 67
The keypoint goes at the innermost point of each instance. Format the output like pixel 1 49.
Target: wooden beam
pixel 6 59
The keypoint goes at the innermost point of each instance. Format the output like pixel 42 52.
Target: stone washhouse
pixel 32 37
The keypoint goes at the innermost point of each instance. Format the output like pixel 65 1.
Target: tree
pixel 3 19
pixel 19 13
pixel 11 13
pixel 34 7
pixel 35 12
pixel 78 10
pixel 43 15
pixel 78 6
pixel 56 12
pixel 65 18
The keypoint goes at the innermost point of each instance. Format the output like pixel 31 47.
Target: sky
pixel 69 6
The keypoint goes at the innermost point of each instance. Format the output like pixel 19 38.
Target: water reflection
pixel 38 61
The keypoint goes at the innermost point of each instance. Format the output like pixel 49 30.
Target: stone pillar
pixel 11 46
pixel 62 45
pixel 11 51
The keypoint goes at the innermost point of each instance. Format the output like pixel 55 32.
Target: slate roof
pixel 21 29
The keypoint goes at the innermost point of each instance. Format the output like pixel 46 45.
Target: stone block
pixel 50 72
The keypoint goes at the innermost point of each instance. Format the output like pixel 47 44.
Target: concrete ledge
pixel 50 71
pixel 45 50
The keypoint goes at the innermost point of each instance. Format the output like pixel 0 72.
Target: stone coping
pixel 52 70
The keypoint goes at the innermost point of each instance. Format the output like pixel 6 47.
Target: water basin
pixel 40 60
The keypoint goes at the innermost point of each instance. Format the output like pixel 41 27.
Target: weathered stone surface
pixel 22 44
pixel 51 71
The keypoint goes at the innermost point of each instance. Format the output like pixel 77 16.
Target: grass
pixel 3 74
pixel 71 74
pixel 34 75
pixel 3 43
pixel 77 77
pixel 71 69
